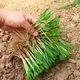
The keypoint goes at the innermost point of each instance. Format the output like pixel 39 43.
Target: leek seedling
pixel 76 3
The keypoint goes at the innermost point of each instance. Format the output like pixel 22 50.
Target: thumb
pixel 28 27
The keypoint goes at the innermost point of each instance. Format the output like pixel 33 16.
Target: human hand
pixel 11 20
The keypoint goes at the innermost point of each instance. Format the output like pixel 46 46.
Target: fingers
pixel 31 19
pixel 28 27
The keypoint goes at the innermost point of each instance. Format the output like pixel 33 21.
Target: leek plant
pixel 38 54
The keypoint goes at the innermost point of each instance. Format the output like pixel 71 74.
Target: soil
pixel 11 67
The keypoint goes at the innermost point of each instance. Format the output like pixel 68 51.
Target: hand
pixel 11 20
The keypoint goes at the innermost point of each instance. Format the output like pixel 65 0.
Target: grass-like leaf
pixel 76 3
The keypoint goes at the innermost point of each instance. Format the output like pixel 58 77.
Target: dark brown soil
pixel 11 67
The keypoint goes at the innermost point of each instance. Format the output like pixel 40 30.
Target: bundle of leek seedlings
pixel 44 51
